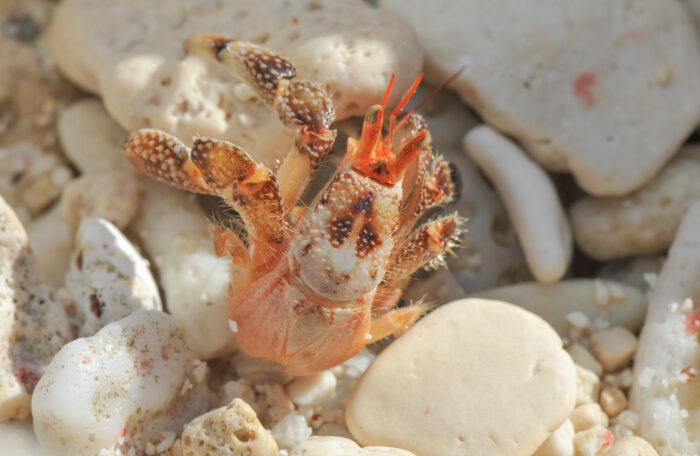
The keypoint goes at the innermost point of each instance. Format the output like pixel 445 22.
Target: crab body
pixel 312 286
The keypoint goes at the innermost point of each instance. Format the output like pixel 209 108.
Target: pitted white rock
pixel 130 52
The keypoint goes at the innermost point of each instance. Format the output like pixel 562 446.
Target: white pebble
pixel 108 279
pixel 531 201
pixel 587 415
pixel 587 386
pixel 117 384
pixel 613 401
pixel 594 441
pixel 584 358
pixel 292 431
pixel 313 390
pixel 614 347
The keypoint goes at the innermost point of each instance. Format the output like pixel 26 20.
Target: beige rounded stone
pixel 458 376
pixel 608 91
pixel 90 137
pixel 312 390
pixel 581 356
pixel 554 302
pixel 232 430
pixel 643 222
pixel 530 198
pixel 614 347
pixel 613 401
pixel 631 446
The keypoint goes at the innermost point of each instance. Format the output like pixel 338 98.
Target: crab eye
pixel 372 112
pixel 425 142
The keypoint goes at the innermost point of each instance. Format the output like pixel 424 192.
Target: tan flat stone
pixel 458 376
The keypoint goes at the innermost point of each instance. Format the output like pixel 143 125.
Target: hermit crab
pixel 314 284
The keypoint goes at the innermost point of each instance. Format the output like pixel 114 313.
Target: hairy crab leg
pixel 301 104
pixel 425 246
pixel 219 168
pixel 436 186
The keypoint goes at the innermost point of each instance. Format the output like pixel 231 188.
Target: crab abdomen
pixel 275 319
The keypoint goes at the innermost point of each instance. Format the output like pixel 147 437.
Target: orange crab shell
pixel 276 320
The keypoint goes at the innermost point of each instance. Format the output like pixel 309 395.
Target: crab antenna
pixel 388 91
pixel 407 96
pixel 426 98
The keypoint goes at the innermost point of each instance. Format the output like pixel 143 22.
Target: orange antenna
pixel 426 98
pixel 388 90
pixel 407 96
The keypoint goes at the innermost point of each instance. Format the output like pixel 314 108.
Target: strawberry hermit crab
pixel 319 282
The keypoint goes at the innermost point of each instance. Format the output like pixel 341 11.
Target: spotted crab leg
pixel 436 186
pixel 220 168
pixel 425 246
pixel 298 103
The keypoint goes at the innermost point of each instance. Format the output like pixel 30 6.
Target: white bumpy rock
pixel 130 53
pixel 419 395
pixel 624 306
pixel 531 200
pixel 118 389
pixel 643 222
pixel 108 279
pixel 665 391
pixel 174 231
pixel 33 327
pixel 580 85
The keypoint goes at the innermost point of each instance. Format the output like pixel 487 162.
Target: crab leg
pixel 395 322
pixel 298 103
pixel 426 245
pixel 219 168
pixel 437 186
